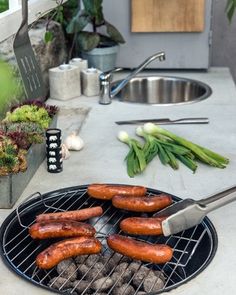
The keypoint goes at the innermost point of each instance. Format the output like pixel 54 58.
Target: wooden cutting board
pixel 167 15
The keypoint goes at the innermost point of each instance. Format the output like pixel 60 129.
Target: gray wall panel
pixel 224 38
pixel 183 50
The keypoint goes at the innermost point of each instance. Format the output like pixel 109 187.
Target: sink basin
pixel 163 90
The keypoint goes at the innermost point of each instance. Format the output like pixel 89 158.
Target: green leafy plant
pixel 92 17
pixel 230 9
pixel 4 5
pixel 85 29
pixel 10 88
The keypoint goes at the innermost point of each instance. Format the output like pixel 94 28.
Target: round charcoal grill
pixel 193 249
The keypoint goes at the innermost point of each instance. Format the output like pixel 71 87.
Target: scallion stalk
pixel 135 158
pixel 201 153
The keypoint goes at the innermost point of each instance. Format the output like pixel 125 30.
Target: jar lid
pixel 65 67
pixel 91 70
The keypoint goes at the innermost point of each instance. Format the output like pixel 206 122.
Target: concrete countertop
pixel 102 160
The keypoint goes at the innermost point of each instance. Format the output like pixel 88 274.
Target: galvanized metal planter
pixel 103 59
pixel 13 185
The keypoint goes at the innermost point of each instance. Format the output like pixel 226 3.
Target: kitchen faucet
pixel 106 93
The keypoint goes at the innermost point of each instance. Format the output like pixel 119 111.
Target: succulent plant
pixel 29 113
pixel 51 109
pixel 8 155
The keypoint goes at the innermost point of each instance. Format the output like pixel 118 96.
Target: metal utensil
pixel 165 121
pixel 28 66
pixel 188 213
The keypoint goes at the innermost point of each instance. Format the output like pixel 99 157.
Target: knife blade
pixel 165 121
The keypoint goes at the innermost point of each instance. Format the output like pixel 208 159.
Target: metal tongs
pixel 188 213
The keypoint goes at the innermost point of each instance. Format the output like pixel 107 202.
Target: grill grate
pixel 193 248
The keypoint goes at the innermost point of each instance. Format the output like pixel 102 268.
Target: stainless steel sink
pixel 162 90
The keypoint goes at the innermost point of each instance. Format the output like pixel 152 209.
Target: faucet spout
pixel 106 93
pixel 134 73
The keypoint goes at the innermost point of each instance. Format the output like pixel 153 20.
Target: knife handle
pixel 190 121
pixel 218 200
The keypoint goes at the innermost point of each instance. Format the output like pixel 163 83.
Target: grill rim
pixel 26 205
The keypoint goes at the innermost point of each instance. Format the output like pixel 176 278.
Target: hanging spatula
pixel 188 213
pixel 29 69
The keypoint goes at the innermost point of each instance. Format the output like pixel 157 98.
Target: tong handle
pixel 218 200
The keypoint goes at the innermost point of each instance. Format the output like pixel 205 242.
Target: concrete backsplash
pixel 224 38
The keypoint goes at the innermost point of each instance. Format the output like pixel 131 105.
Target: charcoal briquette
pixel 92 259
pixel 125 272
pixel 140 275
pixel 102 284
pixel 118 258
pixel 159 274
pixel 58 282
pixel 80 286
pixel 90 276
pixel 104 258
pixel 125 289
pixel 152 283
pixel 71 291
pixel 80 259
pixel 117 279
pixel 82 270
pixel 134 266
pixel 67 269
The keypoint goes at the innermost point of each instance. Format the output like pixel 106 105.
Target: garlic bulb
pixel 65 152
pixel 74 142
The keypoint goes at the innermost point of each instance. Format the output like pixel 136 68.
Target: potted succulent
pixel 96 39
pixel 22 147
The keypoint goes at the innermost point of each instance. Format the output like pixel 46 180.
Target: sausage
pixel 79 215
pixel 68 248
pixel 108 191
pixel 142 226
pixel 140 250
pixel 143 204
pixel 60 229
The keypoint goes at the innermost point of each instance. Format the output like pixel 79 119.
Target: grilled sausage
pixel 57 252
pixel 107 191
pixel 60 229
pixel 140 250
pixel 142 226
pixel 143 204
pixel 79 215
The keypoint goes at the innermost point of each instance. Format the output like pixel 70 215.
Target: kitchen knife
pixel 188 213
pixel 165 121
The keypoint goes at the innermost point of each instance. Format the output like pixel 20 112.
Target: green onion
pixel 172 160
pixel 151 147
pixel 201 153
pixel 135 158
